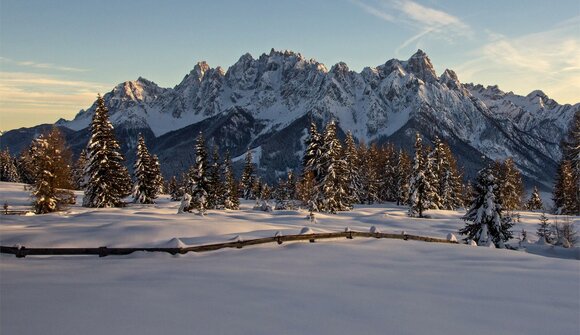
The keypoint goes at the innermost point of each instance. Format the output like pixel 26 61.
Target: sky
pixel 55 56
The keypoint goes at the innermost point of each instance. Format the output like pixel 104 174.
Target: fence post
pixel 103 251
pixel 20 253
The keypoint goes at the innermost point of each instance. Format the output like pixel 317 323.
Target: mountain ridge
pixel 277 91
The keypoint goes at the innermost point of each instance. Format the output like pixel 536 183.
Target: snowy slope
pixel 360 286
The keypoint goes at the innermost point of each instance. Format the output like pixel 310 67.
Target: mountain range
pixel 266 104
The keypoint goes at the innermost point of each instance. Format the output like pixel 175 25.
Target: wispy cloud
pixel 37 65
pixel 425 20
pixel 44 98
pixel 549 60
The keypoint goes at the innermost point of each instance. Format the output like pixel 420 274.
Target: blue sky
pixel 55 56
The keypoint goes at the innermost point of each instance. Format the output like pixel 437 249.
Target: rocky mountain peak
pixel 420 65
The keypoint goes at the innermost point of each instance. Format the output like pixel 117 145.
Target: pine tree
pixel 535 202
pixel 510 184
pixel 158 182
pixel 247 179
pixel 256 189
pixel 311 173
pixel 25 166
pixel 369 157
pixel 216 187
pixel 402 177
pixel 108 180
pixel 571 152
pixel 484 220
pixel 146 185
pixel 431 171
pixel 420 187
pixel 566 234
pixel 198 180
pixel 285 192
pixel 78 171
pixel 545 229
pixel 448 179
pixel 231 200
pixel 174 189
pixel 353 174
pixel 330 192
pixel 387 173
pixel 8 170
pixel 565 189
pixel 51 161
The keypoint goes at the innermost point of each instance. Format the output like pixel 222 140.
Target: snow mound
pixel 374 230
pixel 306 231
pixel 472 243
pixel 451 237
pixel 174 243
pixel 236 238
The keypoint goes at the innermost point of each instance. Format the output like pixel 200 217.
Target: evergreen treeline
pixel 335 175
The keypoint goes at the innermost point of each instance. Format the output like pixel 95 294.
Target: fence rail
pixel 22 251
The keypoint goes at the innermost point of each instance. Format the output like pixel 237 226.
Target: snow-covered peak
pixel 449 78
pixel 136 90
pixel 420 65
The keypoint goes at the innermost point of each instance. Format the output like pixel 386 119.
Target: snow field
pixel 360 286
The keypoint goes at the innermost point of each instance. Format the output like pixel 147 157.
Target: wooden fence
pixel 22 251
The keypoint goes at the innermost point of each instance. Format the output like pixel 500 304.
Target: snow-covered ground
pixel 360 286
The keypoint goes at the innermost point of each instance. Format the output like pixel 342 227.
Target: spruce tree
pixel 108 180
pixel 8 170
pixel 311 168
pixel 448 179
pixel 51 161
pixel 198 180
pixel 78 171
pixel 387 173
pixel 231 200
pixel 484 220
pixel 247 180
pixel 146 179
pixel 158 182
pixel 25 166
pixel 402 177
pixel 420 187
pixel 216 187
pixel 565 189
pixel 545 230
pixel 510 184
pixel 174 189
pixel 369 173
pixel 331 195
pixel 353 173
pixel 535 202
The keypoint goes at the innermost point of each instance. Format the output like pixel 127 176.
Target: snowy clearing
pixel 360 286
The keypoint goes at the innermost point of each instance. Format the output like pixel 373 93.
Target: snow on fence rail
pixel 21 251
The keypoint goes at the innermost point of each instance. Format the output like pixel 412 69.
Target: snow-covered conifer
pixel 51 161
pixel 545 230
pixel 231 200
pixel 8 171
pixel 108 180
pixel 369 159
pixel 247 178
pixel 216 187
pixel 78 172
pixel 311 172
pixel 484 220
pixel 401 178
pixel 148 181
pixel 566 189
pixel 331 195
pixel 174 189
pixel 353 175
pixel 198 181
pixel 535 202
pixel 421 188
pixel 510 184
